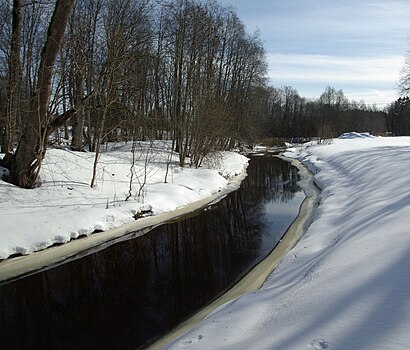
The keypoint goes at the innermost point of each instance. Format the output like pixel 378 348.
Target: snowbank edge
pixel 19 267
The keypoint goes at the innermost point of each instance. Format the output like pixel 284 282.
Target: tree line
pixel 286 115
pixel 94 71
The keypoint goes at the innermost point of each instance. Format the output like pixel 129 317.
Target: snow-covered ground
pixel 65 207
pixel 346 284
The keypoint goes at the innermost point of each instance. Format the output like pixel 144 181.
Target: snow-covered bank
pixel 65 207
pixel 346 283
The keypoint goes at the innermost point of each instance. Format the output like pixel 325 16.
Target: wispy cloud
pixel 348 27
pixel 333 69
pixel 371 79
pixel 380 98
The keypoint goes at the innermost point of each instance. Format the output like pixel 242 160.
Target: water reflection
pixel 136 290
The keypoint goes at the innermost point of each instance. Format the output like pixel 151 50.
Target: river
pixel 125 296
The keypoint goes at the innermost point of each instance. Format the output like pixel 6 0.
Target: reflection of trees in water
pixel 123 296
pixel 271 178
pixel 87 304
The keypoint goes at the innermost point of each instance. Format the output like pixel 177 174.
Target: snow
pixel 346 284
pixel 64 206
pixel 356 135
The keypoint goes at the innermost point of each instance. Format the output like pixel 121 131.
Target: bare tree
pixel 123 41
pixel 13 79
pixel 32 145
pixel 404 82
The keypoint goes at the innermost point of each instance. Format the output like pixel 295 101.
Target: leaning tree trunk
pixel 33 143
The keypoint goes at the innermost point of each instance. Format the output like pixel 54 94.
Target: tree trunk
pixel 99 140
pixel 78 121
pixel 33 143
pixel 13 80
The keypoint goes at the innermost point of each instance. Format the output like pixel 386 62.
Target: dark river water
pixel 134 291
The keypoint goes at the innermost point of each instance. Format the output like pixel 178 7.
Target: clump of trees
pixel 398 116
pixel 398 112
pixel 184 70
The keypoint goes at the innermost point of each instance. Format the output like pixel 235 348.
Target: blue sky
pixel 357 46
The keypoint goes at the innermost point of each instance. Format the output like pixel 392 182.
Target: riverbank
pixel 138 289
pixel 254 280
pixel 64 208
pixel 345 284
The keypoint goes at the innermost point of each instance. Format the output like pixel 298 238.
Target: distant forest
pixel 82 73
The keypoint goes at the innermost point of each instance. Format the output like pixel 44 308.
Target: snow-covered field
pixel 65 207
pixel 346 284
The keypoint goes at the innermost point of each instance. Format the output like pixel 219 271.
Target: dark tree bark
pixel 33 143
pixel 13 80
pixel 78 121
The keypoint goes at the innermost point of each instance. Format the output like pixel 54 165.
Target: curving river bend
pixel 127 295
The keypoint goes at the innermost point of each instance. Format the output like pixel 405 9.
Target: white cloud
pixel 333 69
pixel 379 97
